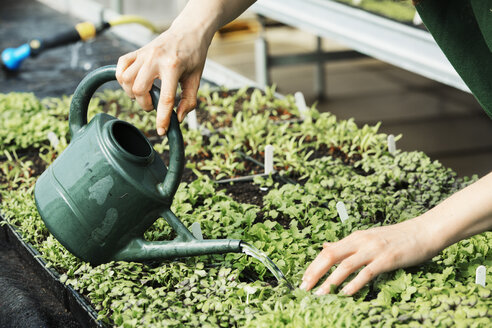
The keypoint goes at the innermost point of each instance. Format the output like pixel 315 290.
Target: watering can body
pixel 109 186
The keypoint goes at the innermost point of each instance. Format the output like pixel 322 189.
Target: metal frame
pixel 264 61
pixel 401 45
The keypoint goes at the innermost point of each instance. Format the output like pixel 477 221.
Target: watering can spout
pixel 142 250
pixel 184 245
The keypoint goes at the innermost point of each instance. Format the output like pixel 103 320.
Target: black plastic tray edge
pixel 68 296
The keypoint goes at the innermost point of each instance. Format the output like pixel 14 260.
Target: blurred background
pixel 371 60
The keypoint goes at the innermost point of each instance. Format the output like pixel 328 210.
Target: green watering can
pixel 109 186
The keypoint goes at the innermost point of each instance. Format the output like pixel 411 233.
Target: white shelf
pixel 399 44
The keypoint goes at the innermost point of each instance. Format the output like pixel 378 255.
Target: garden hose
pixel 134 19
pixel 12 58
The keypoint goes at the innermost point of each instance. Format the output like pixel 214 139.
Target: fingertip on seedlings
pixel 347 290
pixel 161 131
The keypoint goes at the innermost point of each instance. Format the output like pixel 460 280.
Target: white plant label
pixel 391 144
pixel 52 137
pixel 416 19
pixel 480 275
pixel 196 230
pixel 269 159
pixel 192 120
pixel 300 103
pixel 342 211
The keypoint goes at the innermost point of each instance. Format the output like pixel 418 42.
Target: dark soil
pixel 335 152
pixel 244 192
pixel 247 192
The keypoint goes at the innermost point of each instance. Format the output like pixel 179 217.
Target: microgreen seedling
pixel 250 290
pixel 480 275
pixel 290 223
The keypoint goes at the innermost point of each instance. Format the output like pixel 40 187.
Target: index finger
pixel 123 63
pixel 323 262
pixel 165 107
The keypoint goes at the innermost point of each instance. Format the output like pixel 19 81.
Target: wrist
pixel 203 27
pixel 434 233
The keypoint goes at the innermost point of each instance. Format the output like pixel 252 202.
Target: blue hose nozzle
pixel 12 58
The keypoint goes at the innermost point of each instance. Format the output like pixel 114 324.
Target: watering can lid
pixel 463 31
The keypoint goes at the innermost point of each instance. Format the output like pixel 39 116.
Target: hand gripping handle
pixel 78 119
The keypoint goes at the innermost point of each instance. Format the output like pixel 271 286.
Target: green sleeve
pixel 463 31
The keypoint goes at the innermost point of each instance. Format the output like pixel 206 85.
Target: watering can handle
pixel 78 119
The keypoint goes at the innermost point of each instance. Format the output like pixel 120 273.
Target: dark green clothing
pixel 463 30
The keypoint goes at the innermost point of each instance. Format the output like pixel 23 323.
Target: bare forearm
pixel 464 214
pixel 210 15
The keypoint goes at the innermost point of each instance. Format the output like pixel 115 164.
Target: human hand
pixel 379 249
pixel 176 56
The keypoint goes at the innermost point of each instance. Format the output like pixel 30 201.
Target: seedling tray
pixel 69 297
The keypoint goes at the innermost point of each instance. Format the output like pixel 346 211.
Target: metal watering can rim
pixel 138 249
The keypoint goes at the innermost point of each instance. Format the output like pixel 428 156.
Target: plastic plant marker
pixel 480 275
pixel 300 103
pixel 416 19
pixel 264 188
pixel 196 230
pixel 269 159
pixel 342 211
pixel 192 120
pixel 391 144
pixel 53 138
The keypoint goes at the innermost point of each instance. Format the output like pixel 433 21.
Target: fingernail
pixel 161 131
pixel 304 285
pixel 320 292
pixel 346 291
